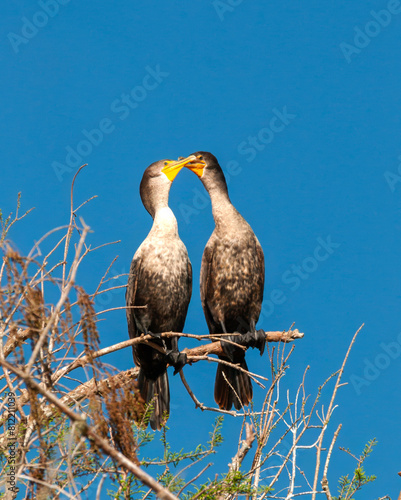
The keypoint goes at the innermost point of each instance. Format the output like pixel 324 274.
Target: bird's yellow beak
pixel 171 168
pixel 197 166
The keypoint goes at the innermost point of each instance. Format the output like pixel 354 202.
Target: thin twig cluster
pixel 81 424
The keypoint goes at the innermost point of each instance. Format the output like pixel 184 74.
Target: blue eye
pixel 165 163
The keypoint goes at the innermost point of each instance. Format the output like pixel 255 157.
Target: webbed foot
pixel 154 335
pixel 231 350
pixel 177 359
pixel 256 339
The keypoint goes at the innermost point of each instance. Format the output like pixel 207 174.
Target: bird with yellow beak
pixel 231 284
pixel 159 289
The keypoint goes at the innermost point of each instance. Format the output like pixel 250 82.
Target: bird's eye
pixel 165 163
pixel 200 157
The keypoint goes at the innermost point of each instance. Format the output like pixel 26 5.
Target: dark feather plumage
pixel 160 278
pixel 232 282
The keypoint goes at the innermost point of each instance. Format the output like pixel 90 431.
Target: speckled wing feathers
pixel 160 279
pixel 232 282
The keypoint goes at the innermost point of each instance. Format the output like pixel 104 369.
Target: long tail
pixel 224 395
pixel 156 392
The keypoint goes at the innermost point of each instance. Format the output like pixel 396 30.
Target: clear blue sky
pixel 160 80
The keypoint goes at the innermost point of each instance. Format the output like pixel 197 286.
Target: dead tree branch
pixel 193 354
pixel 87 431
pixel 329 412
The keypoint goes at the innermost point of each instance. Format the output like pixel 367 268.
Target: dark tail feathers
pixel 156 392
pixel 240 382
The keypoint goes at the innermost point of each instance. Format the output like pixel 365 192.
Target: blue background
pixel 333 171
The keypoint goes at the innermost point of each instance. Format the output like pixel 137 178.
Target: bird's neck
pixel 164 222
pixel 223 210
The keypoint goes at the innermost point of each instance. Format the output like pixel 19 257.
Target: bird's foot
pixel 154 335
pixel 229 349
pixel 256 339
pixel 177 359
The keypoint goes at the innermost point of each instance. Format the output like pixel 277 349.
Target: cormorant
pixel 231 282
pixel 160 278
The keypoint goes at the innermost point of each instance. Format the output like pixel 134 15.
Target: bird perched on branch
pixel 231 284
pixel 160 278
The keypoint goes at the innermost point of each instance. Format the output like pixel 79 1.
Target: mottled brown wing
pixel 261 258
pixel 130 294
pixel 259 273
pixel 189 278
pixel 206 270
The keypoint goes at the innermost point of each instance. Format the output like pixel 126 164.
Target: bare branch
pixel 63 298
pixel 246 445
pixel 325 482
pixel 195 354
pixel 329 412
pixel 91 435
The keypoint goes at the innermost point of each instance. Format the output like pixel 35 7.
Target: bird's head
pixel 207 168
pixel 157 180
pixel 202 163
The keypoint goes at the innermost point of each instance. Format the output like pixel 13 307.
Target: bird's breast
pixel 235 280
